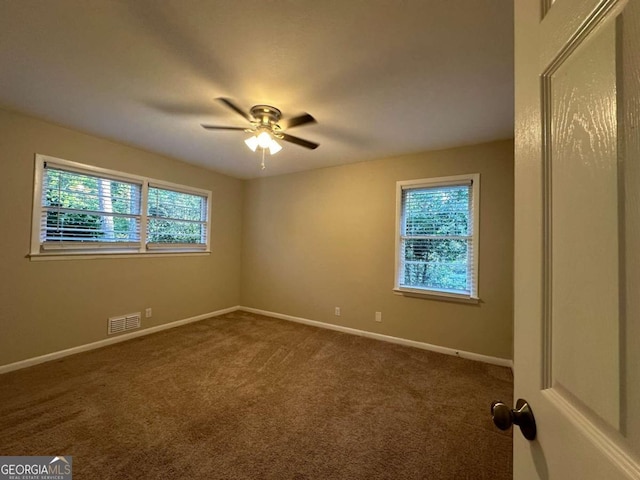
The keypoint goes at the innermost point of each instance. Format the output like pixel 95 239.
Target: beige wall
pixel 306 242
pixel 325 238
pixel 47 306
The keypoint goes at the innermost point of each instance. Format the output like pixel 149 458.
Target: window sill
pixel 433 295
pixel 39 257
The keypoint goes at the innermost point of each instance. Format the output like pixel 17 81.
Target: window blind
pixel 436 238
pixel 176 218
pixel 83 208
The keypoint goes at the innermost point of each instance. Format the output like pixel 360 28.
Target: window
pixel 437 236
pixel 84 209
pixel 176 218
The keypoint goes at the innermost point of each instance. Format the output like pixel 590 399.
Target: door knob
pixel 522 415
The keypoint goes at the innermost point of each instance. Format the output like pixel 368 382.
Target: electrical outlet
pixel 378 316
pixel 337 311
pixel 148 313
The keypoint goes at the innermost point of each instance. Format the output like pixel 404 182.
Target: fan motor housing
pixel 266 114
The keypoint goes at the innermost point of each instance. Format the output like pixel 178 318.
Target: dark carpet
pixel 244 396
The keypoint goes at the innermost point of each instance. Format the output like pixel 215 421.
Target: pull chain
pixel 262 164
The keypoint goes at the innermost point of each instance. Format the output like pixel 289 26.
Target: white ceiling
pixel 382 77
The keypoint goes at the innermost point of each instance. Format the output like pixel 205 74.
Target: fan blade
pixel 299 120
pixel 235 108
pixel 214 127
pixel 299 141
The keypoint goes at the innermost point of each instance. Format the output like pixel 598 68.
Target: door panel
pixel 629 164
pixel 577 237
pixel 582 253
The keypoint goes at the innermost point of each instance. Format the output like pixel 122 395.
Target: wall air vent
pixel 123 323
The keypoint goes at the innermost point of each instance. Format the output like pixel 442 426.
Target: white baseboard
pixel 110 341
pixel 503 362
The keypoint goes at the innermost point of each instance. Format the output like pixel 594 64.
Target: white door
pixel 577 237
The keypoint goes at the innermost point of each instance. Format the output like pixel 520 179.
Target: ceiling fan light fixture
pixel 265 127
pixel 274 147
pixel 252 142
pixel 264 139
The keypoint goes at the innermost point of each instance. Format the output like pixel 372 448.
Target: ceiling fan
pixel 266 127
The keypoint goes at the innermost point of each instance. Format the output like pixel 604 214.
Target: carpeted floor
pixel 249 397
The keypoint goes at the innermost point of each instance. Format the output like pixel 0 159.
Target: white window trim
pixel 85 251
pixel 474 179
